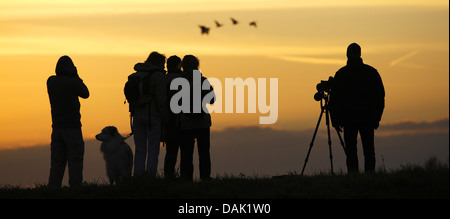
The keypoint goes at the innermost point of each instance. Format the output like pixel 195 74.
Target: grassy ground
pixel 409 182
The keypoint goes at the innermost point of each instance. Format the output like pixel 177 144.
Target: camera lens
pixel 319 87
pixel 318 96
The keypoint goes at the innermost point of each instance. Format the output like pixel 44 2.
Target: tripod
pixel 324 109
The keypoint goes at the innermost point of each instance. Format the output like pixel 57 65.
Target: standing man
pixel 150 114
pixel 172 130
pixel 357 104
pixel 195 125
pixel 67 145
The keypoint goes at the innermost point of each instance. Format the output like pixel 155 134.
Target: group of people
pixel 357 102
pixel 153 121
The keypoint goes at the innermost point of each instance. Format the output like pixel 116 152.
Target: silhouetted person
pixel 195 126
pixel 172 129
pixel 357 100
pixel 150 114
pixel 67 145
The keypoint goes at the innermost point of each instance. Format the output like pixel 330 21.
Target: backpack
pixel 134 90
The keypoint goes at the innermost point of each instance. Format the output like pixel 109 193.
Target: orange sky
pixel 298 43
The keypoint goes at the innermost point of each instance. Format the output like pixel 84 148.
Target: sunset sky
pixel 298 42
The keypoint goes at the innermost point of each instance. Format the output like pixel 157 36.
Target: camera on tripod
pixel 322 88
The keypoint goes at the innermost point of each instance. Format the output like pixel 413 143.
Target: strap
pixel 131 126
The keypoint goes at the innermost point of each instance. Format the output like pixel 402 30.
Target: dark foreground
pixel 410 182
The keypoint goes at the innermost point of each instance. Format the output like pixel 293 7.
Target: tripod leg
pixel 327 117
pixel 312 141
pixel 342 142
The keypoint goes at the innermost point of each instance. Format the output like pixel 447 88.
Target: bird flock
pixel 205 29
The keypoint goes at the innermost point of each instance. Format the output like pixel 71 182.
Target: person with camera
pixel 67 145
pixel 357 104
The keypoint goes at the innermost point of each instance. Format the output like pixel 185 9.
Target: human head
pixel 353 51
pixel 190 62
pixel 173 63
pixel 65 67
pixel 157 59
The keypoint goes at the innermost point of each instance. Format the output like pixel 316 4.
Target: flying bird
pixel 205 30
pixel 218 24
pixel 253 23
pixel 234 21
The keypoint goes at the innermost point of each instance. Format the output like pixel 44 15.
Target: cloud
pixel 415 127
pixel 312 60
pixel 401 60
pixel 255 151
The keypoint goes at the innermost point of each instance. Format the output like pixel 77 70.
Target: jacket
pixel 157 97
pixel 63 92
pixel 357 96
pixel 186 120
pixel 172 129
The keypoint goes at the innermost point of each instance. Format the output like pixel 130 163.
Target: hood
pixel 147 67
pixel 65 67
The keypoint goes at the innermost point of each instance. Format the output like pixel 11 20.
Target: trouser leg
pixel 350 138
pixel 75 156
pixel 58 159
pixel 367 139
pixel 170 159
pixel 154 145
pixel 203 144
pixel 187 152
pixel 140 126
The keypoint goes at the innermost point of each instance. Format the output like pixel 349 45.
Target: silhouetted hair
pixel 157 59
pixel 65 67
pixel 190 62
pixel 353 51
pixel 173 63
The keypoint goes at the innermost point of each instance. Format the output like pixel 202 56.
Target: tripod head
pixel 323 95
pixel 324 89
